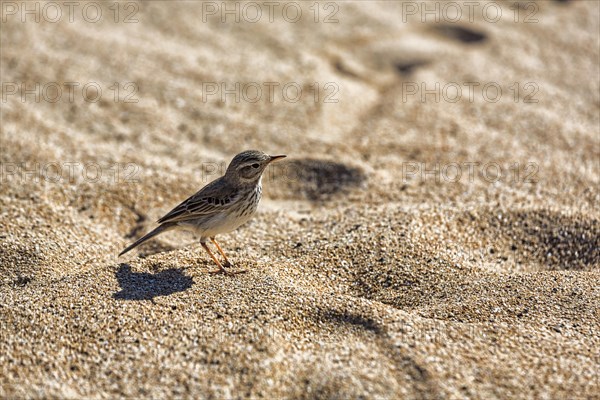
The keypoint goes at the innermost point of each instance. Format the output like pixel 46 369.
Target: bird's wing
pixel 211 199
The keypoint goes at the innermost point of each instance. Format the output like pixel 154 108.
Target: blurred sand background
pixel 366 276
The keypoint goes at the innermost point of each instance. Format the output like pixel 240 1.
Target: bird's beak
pixel 275 158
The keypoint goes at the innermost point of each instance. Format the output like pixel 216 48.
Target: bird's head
pixel 248 166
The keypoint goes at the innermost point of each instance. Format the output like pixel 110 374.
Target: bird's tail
pixel 160 229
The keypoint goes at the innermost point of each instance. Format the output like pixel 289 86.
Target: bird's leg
pixel 227 264
pixel 221 268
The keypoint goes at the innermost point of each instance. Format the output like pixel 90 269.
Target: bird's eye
pixel 255 165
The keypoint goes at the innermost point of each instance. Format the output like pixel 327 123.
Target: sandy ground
pixel 409 247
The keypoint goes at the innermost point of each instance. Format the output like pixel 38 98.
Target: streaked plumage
pixel 221 206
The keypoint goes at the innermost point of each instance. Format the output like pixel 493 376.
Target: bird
pixel 221 206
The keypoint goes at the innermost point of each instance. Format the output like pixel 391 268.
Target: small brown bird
pixel 219 207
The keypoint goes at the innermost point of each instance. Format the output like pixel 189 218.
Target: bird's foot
pixel 226 272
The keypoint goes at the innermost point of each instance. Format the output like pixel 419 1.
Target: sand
pixel 408 247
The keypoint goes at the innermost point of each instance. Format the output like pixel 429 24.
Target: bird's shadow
pixel 146 286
